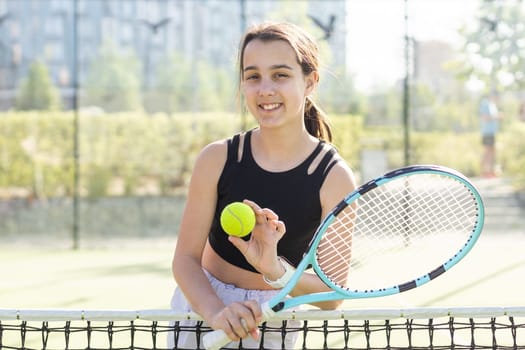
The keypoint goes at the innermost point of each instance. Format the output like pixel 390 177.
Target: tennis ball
pixel 237 219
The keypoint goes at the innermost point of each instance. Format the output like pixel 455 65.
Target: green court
pixel 138 276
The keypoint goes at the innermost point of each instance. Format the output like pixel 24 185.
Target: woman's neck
pixel 276 150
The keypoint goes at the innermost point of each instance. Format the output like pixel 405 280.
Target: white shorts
pixel 229 294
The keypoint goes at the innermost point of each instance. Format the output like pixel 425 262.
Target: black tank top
pixel 293 195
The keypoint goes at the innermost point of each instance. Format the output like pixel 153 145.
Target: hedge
pixel 139 154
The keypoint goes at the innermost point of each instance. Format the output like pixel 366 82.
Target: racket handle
pixel 217 339
pixel 267 311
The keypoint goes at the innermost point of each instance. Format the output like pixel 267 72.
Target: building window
pixel 127 9
pixel 85 28
pixel 53 26
pixel 15 30
pixel 53 51
pixel 57 5
pixel 108 27
pixel 126 31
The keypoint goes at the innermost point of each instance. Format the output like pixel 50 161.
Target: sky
pixel 376 34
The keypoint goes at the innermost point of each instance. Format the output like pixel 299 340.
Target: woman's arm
pixel 193 234
pixel 194 229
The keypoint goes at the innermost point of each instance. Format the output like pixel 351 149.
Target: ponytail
pixel 316 121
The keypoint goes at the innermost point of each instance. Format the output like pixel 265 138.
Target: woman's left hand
pixel 261 249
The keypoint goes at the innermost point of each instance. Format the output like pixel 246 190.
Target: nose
pixel 266 87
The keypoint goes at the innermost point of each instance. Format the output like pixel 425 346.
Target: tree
pixel 182 85
pixel 172 86
pixel 494 49
pixel 338 94
pixel 37 91
pixel 113 81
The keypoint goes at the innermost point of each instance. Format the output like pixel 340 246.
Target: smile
pixel 269 107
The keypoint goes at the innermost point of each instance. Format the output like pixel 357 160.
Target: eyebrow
pixel 275 66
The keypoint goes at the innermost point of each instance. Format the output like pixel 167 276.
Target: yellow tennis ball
pixel 237 219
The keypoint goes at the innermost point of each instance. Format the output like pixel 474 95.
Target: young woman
pixel 285 169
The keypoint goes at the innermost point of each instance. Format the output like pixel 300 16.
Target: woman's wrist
pixel 276 272
pixel 283 277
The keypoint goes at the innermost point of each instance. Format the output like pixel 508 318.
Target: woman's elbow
pixel 184 265
pixel 178 265
pixel 174 266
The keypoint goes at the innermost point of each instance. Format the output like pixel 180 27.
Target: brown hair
pixel 306 51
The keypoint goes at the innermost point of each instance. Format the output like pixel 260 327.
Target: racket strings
pixel 424 214
pixel 335 248
pixel 398 231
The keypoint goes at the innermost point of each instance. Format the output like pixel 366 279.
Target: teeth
pixel 270 106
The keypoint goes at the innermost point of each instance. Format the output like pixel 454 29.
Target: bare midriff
pixel 231 274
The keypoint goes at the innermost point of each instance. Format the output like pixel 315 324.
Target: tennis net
pixel 416 328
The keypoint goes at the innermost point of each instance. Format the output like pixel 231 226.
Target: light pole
pixel 242 4
pixel 5 48
pixel 76 165
pixel 406 91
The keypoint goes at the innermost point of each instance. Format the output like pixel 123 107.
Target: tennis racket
pixel 390 235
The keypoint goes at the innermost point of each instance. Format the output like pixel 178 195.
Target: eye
pixel 281 75
pixel 252 76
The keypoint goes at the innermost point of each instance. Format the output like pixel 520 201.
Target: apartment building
pixel 67 34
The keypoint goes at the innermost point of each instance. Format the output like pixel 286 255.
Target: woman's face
pixel 273 83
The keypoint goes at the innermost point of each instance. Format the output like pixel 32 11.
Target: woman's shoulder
pixel 329 158
pixel 216 152
pixel 339 181
pixel 215 147
pixel 220 148
pixel 212 156
pixel 341 173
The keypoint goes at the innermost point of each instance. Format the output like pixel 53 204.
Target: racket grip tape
pixel 217 339
pixel 267 311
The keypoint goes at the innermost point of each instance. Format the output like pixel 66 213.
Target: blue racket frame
pixel 278 302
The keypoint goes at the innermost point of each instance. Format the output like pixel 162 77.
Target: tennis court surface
pixel 115 296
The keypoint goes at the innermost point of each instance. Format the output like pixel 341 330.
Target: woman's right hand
pixel 239 320
pixel 261 249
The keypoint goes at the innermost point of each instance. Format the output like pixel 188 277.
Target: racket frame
pixel 280 302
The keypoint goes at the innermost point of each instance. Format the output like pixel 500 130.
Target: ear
pixel 311 82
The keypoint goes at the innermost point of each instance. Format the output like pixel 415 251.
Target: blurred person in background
pixel 489 118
